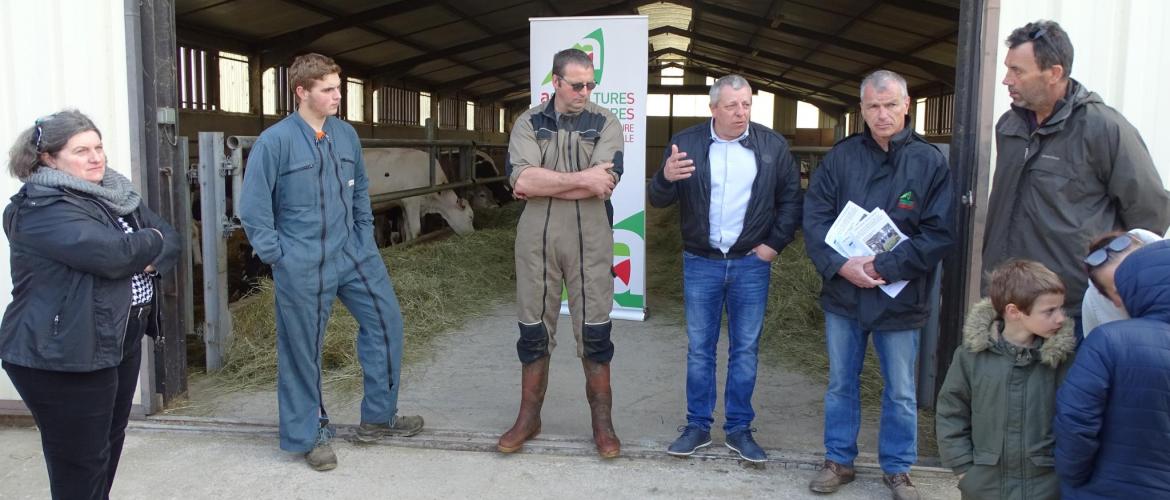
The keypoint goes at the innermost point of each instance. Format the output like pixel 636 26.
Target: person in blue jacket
pixel 1112 420
pixel 887 166
pixel 306 211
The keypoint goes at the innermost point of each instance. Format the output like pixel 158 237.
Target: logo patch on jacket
pixel 906 201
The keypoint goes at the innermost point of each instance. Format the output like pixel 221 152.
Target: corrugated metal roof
pixel 816 50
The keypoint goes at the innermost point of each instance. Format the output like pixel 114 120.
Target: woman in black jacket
pixel 85 257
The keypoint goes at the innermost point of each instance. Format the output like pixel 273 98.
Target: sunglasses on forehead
pixel 578 86
pixel 1100 255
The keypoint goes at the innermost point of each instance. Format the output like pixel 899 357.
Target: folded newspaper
pixel 857 233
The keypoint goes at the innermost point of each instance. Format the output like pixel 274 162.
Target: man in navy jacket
pixel 738 190
pixel 1112 420
pixel 890 167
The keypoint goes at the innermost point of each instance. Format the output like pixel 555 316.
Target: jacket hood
pixel 981 330
pixel 1143 281
pixel 36 191
pixel 1079 95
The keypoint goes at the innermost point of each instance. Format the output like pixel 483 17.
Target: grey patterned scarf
pixel 116 191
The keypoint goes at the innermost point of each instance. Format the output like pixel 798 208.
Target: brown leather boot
pixel 600 403
pixel 533 382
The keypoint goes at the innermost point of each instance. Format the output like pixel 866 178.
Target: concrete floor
pixel 196 465
pixel 225 446
pixel 472 384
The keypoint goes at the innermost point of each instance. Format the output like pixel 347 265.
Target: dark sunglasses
pixel 1100 255
pixel 578 86
pixel 1038 34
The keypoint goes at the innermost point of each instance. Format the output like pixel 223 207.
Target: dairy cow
pixel 397 169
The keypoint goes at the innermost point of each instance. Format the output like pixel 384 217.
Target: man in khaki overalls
pixel 565 158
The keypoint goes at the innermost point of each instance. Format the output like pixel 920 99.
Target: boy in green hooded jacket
pixel 994 418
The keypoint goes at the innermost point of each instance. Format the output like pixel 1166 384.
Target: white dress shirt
pixel 733 171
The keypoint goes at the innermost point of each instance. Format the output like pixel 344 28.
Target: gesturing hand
pixel 677 166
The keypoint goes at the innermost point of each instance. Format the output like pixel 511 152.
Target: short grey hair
pixel 736 82
pixel 881 80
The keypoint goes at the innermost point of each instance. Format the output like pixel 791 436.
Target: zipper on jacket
pixel 56 325
pixel 126 330
pixel 337 167
pixel 130 300
pixel 324 236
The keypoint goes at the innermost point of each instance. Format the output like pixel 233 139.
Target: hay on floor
pixel 440 285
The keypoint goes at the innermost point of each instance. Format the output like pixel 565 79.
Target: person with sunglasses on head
pixel 1101 303
pixel 1112 420
pixel 1068 167
pixel 738 191
pixel 565 159
pixel 86 256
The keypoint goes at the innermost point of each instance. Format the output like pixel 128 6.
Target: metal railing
pixel 217 169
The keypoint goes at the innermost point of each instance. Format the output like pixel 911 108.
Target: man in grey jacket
pixel 1068 167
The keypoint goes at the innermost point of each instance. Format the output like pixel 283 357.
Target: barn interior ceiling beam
pixel 385 34
pixel 946 84
pixel 937 70
pixel 829 107
pixel 804 89
pixel 202 8
pixel 280 48
pixel 745 49
pixel 841 28
pixel 458 84
pixel 773 13
pixel 206 38
pixel 472 20
pixel 515 35
pixel 929 8
pixel 757 81
pixel 399 67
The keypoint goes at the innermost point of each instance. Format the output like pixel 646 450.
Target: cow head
pixel 481 197
pixel 453 209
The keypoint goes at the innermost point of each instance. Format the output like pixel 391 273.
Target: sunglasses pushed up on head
pixel 1100 255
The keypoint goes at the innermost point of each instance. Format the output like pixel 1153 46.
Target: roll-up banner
pixel 618 47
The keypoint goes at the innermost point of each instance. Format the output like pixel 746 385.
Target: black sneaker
pixel 741 442
pixel 692 438
pixel 404 426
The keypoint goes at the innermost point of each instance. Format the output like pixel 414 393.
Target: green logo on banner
pixel 622 252
pixel 592 45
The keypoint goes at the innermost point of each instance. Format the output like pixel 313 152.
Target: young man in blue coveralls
pixel 306 210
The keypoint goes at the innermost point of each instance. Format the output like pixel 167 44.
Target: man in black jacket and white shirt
pixel 738 191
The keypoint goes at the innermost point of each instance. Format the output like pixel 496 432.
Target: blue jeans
pixel 897 352
pixel 708 285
